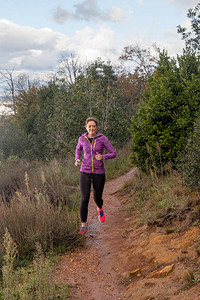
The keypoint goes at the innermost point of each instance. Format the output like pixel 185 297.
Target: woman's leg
pixel 98 186
pixel 85 187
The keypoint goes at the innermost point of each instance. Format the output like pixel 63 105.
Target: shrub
pixel 34 282
pixel 31 217
pixel 189 162
pixel 167 112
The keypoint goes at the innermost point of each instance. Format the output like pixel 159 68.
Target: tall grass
pixel 32 217
pixel 35 282
pixel 40 207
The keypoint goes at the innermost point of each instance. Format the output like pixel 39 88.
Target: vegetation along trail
pixel 123 261
pixel 95 271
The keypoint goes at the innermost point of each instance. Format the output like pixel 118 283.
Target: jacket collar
pixel 97 134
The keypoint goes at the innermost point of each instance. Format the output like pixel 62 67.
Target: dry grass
pixel 154 197
pixel 41 210
pixel 34 282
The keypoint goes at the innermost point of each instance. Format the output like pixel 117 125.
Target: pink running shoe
pixel 82 230
pixel 101 215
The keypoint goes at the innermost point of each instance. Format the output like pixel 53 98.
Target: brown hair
pixel 91 119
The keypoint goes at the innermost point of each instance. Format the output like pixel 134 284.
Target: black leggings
pixel 85 187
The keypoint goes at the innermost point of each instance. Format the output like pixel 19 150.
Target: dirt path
pixel 95 271
pixel 123 261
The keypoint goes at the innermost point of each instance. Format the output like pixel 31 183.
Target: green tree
pixel 165 118
pixel 107 103
pixel 96 91
pixel 13 140
pixel 39 134
pixel 192 38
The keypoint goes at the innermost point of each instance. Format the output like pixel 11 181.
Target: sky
pixel 36 34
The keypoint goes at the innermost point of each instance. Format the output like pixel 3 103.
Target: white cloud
pixel 61 15
pixel 26 47
pixel 184 5
pixel 38 50
pixel 88 10
pixel 116 14
pixel 90 44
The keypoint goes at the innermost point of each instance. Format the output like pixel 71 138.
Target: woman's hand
pixel 98 156
pixel 77 162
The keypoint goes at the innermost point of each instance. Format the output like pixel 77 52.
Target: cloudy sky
pixel 34 35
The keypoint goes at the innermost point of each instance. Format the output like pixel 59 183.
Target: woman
pixel 92 143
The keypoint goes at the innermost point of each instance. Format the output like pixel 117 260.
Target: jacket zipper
pixel 93 142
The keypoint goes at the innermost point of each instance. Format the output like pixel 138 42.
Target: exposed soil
pixel 121 261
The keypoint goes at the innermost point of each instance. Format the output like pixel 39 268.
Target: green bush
pixel 167 113
pixel 189 162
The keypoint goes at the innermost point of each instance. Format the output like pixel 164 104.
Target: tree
pixel 167 112
pixel 143 59
pixel 13 85
pixel 69 69
pixel 133 82
pixel 25 104
pixel 7 78
pixel 192 38
pixel 94 92
pixel 13 141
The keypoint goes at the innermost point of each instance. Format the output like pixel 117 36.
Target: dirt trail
pixel 95 271
pixel 104 268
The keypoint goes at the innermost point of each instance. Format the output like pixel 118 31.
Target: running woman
pixel 92 170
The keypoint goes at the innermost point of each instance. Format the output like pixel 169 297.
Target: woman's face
pixel 91 128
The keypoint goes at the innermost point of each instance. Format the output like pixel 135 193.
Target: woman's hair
pixel 91 119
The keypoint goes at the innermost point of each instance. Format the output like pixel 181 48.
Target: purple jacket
pixel 89 163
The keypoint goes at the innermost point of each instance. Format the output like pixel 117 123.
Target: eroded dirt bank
pixel 120 261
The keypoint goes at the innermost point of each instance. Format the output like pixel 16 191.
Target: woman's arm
pixel 78 152
pixel 110 149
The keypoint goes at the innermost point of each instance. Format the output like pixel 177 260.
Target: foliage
pixel 165 118
pixel 133 83
pixel 192 38
pixel 13 141
pixel 31 216
pixel 189 162
pixel 144 60
pixel 8 267
pixel 35 282
pixel 132 87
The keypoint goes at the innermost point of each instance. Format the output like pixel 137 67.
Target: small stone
pixel 135 272
pixel 161 273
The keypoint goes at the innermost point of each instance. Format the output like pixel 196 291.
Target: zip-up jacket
pixel 89 162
